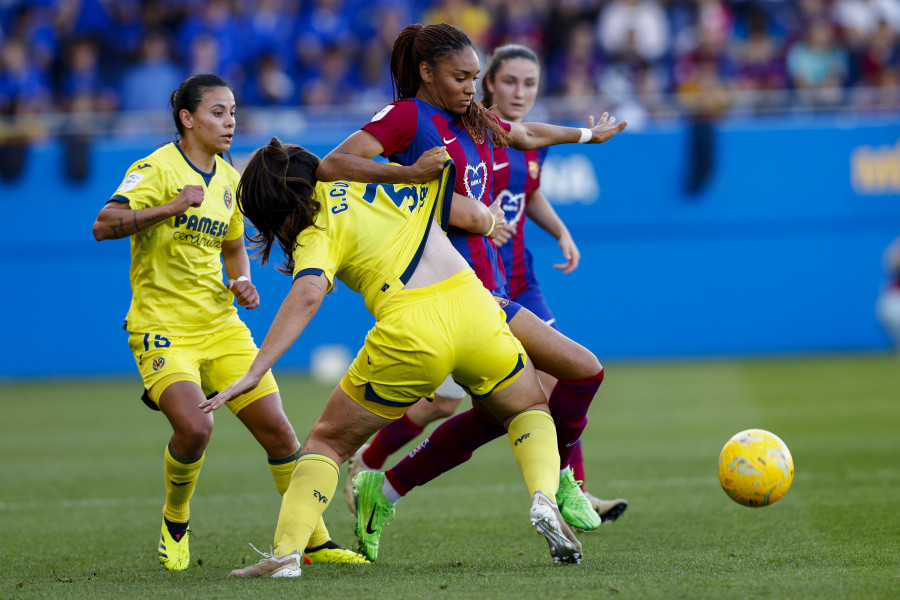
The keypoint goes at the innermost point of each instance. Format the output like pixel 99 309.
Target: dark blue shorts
pixel 533 299
pixel 510 307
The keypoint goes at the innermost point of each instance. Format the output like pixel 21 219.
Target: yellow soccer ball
pixel 755 468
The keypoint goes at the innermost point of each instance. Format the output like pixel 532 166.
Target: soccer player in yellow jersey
pixel 433 318
pixel 178 206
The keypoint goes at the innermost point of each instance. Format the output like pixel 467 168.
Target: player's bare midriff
pixel 440 260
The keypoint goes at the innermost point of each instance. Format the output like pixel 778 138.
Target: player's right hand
pixel 190 195
pixel 429 165
pixel 246 383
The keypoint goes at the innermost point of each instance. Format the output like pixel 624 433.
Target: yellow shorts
pixel 213 361
pixel 422 335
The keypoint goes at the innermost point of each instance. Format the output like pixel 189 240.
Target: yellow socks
pixel 282 468
pixel 533 438
pixel 313 483
pixel 181 479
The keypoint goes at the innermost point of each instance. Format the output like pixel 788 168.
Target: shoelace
pixel 265 555
pixel 571 493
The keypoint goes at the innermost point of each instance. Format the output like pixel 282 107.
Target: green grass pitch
pixel 81 493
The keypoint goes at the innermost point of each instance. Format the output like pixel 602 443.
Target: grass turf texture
pixel 81 494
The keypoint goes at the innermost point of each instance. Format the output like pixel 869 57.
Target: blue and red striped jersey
pixel 516 175
pixel 408 128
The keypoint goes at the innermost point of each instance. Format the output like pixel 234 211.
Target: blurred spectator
pixel 858 19
pixel 332 80
pixel 83 87
pixel 203 56
pixel 520 22
pixel 24 86
pixel 576 71
pixel 469 16
pixel 636 53
pixel 269 84
pixel 147 84
pixel 888 307
pixel 634 27
pixel 879 54
pixel 706 98
pixel 818 66
pixel 758 59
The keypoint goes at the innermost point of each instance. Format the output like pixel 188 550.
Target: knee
pixel 191 439
pixel 589 365
pixel 282 441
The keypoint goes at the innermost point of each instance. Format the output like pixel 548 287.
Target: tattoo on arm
pixel 136 226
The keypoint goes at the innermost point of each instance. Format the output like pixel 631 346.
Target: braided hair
pixel 431 44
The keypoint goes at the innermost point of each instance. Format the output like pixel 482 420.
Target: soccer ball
pixel 755 468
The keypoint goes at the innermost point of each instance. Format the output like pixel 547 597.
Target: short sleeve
pixel 506 126
pixel 235 226
pixel 316 253
pixel 394 126
pixel 143 186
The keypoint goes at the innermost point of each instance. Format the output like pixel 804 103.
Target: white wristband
pixel 243 278
pixel 586 135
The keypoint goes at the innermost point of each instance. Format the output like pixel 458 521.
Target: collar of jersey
pixel 207 177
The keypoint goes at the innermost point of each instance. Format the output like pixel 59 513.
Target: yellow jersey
pixel 176 268
pixel 371 236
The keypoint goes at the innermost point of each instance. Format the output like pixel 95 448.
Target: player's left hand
pixel 570 253
pixel 605 128
pixel 246 383
pixel 245 293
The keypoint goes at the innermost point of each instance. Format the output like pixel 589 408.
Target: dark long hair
pixel 277 194
pixel 431 44
pixel 498 57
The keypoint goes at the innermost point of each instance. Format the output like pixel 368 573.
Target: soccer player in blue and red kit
pixel 434 69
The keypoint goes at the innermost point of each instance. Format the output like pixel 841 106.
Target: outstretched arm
pixel 295 313
pixel 530 136
pixel 117 220
pixel 542 213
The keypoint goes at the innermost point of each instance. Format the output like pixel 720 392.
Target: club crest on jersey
pixel 513 206
pixel 533 169
pixel 502 302
pixel 158 363
pixel 475 180
pixel 228 198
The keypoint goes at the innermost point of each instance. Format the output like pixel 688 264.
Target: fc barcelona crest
pixel 228 198
pixel 533 169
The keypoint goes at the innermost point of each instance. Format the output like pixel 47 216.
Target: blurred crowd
pixel 123 55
